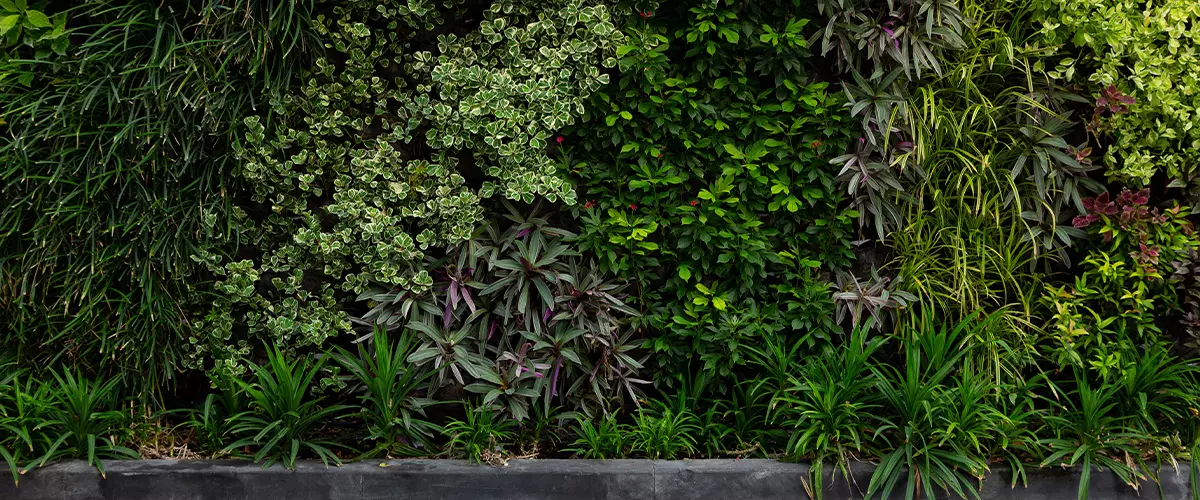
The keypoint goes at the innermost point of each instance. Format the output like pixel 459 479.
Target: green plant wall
pixel 936 235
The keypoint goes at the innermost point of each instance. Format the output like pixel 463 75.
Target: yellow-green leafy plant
pixel 1124 289
pixel 1147 52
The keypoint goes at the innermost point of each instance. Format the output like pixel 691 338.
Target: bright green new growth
pixel 1150 51
pixel 363 171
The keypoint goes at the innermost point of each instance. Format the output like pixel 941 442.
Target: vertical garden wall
pixel 933 234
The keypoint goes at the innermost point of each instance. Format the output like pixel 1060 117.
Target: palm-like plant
pixel 1092 431
pixel 482 436
pixel 387 384
pixel 1158 387
pixel 23 404
pixel 664 432
pixel 829 407
pixel 937 429
pixel 602 440
pixel 212 425
pixel 81 422
pixel 285 417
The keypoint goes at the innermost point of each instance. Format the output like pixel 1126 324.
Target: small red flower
pixel 646 15
pixel 632 206
pixel 589 204
pixel 694 203
pixel 815 144
pixel 559 139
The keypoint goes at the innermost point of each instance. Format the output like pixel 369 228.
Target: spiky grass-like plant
pixel 115 171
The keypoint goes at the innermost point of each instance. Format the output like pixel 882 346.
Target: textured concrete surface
pixel 520 480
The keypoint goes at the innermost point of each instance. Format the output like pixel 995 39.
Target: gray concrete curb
pixel 520 480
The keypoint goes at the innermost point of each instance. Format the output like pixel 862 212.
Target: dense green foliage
pixel 938 235
pixel 705 167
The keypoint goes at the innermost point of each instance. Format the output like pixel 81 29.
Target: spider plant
pixel 664 432
pixel 830 406
pixel 285 417
pixel 81 421
pixel 603 439
pixel 1092 430
pixel 213 424
pixel 388 386
pixel 938 415
pixel 483 434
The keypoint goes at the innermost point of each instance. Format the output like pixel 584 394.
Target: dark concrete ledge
pixel 520 480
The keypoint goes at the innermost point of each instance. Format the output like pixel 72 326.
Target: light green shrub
pixel 1149 51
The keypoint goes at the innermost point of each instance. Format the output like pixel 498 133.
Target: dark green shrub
pixel 703 170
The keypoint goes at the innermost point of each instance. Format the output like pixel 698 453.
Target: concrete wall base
pixel 520 480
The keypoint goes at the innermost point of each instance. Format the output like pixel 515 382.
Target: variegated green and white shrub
pixel 382 153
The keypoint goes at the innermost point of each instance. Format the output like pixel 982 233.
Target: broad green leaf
pixel 37 19
pixel 8 23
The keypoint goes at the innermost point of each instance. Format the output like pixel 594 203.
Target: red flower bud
pixel 559 139
pixel 632 206
pixel 694 203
